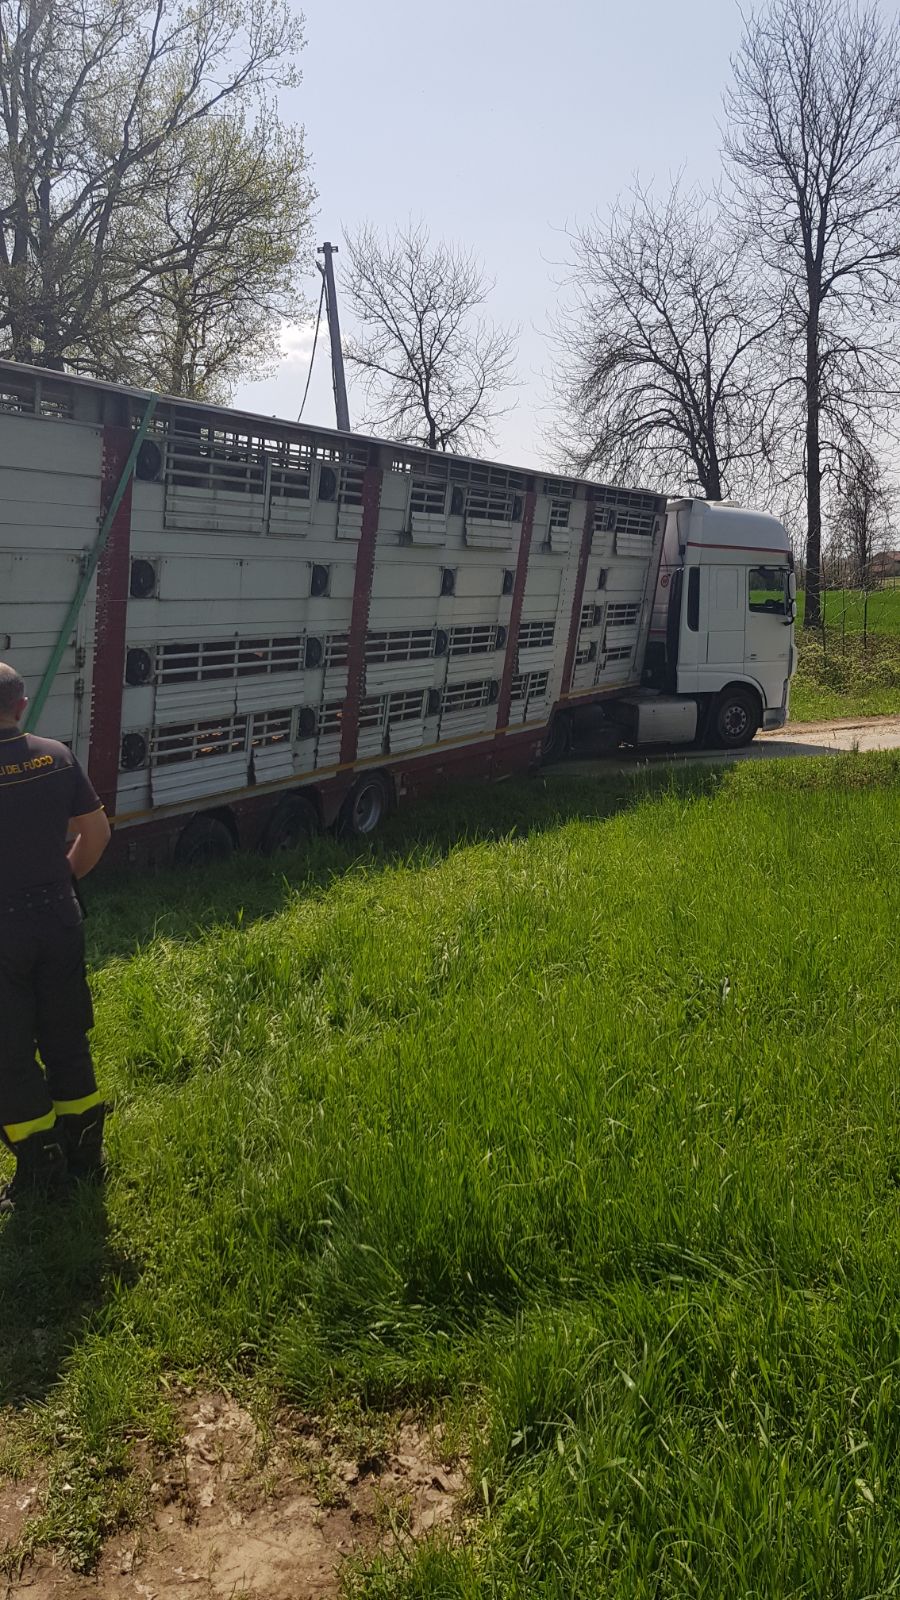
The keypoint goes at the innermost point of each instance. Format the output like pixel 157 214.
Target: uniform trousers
pixel 45 1011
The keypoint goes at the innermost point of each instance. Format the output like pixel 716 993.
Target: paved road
pixel 797 739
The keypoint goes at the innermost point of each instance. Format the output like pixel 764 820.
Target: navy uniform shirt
pixel 41 788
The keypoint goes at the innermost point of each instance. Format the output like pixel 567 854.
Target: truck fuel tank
pixel 660 719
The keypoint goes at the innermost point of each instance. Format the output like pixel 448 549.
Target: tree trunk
pixel 812 611
pixel 177 373
pixel 711 478
pixel 713 486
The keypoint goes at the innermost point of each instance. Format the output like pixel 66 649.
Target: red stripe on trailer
pixel 109 626
pixel 515 613
pixel 587 534
pixel 362 599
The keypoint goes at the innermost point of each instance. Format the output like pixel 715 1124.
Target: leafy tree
pixel 152 207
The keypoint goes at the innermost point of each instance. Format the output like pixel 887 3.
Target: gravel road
pixel 797 739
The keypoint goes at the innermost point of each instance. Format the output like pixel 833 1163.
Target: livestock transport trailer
pixel 248 629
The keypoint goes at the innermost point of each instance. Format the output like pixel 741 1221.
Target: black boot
pixel 41 1171
pixel 82 1141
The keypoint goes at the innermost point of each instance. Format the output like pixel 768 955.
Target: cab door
pixel 769 615
pixel 726 608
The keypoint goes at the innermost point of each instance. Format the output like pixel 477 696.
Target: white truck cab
pixel 721 648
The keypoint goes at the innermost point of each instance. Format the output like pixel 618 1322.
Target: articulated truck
pixel 248 629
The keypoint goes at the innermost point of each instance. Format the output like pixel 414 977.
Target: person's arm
pixel 92 835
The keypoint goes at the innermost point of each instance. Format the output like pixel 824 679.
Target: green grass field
pixel 850 610
pixel 582 1132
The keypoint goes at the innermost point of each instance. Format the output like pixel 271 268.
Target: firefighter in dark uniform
pixel 52 830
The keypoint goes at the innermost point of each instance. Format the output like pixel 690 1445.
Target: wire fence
pixel 854 619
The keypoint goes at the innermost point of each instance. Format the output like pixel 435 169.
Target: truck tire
pixel 204 841
pixel 736 716
pixel 557 740
pixel 293 822
pixel 364 808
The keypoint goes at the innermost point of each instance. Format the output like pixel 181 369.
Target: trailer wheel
pixel 364 808
pixel 735 719
pixel 557 740
pixel 204 841
pixel 293 822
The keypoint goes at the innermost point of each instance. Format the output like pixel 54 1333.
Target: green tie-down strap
pixel 90 567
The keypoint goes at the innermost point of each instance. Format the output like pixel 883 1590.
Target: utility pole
pixel 341 408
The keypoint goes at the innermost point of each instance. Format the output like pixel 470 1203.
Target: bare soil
pixel 236 1517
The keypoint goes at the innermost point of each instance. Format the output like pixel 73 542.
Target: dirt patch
pixel 238 1517
pixel 18 1502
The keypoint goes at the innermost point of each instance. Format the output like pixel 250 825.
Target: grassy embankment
pixel 584 1132
pixel 855 670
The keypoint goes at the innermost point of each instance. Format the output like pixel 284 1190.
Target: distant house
pixel 886 565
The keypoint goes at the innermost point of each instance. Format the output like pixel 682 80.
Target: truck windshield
pixel 769 590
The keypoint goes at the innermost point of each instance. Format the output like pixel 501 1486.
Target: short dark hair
pixel 12 690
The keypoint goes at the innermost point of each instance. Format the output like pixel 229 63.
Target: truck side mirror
pixel 792 613
pixel 792 587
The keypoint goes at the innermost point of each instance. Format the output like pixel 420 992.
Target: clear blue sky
pixel 500 125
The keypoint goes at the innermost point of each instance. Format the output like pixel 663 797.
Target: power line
pixel 313 356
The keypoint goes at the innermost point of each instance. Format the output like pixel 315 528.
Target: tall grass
pixel 850 667
pixel 845 679
pixel 589 1134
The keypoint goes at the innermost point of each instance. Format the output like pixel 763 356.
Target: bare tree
pixel 113 114
pixel 863 511
pixel 663 373
pixel 813 144
pixel 432 369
